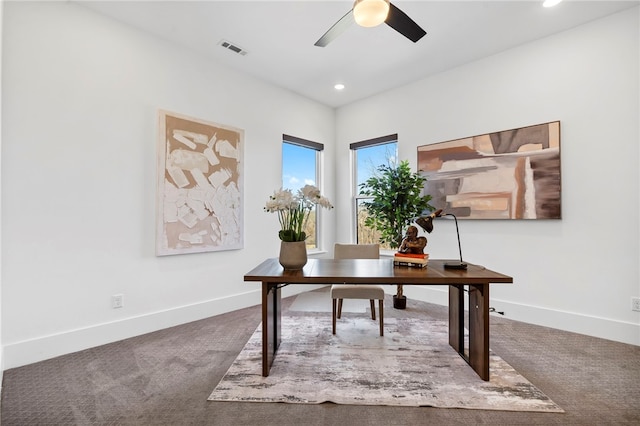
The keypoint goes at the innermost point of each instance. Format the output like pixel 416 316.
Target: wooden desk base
pixel 476 278
pixel 271 324
pixel 478 356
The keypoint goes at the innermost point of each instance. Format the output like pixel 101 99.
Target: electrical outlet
pixel 117 301
pixel 635 304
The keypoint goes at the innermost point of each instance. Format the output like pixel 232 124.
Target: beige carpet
pixel 412 365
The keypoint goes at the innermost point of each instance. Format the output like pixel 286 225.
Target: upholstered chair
pixel 357 291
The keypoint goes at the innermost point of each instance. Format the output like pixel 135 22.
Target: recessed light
pixel 339 86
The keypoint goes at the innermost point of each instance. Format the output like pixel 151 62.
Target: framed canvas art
pixel 511 174
pixel 200 193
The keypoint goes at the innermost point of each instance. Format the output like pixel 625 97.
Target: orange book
pixel 412 255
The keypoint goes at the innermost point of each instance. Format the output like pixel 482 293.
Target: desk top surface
pixel 372 271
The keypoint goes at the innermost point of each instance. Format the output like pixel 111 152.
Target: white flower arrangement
pixel 294 210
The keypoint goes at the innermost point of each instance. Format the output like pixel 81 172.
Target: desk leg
pixel 479 329
pixel 271 325
pixel 456 318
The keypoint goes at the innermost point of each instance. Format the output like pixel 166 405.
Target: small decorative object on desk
pixel 411 259
pixel 411 251
pixel 293 213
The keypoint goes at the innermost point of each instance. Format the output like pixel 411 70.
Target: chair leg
pixel 334 316
pixel 373 309
pixel 381 306
pixel 339 308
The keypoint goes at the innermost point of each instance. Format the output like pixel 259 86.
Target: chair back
pixel 356 251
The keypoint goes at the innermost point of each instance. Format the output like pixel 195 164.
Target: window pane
pixel 298 166
pixel 367 160
pixel 299 169
pixel 366 235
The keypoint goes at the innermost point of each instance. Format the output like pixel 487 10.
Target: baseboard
pixel 46 347
pixel 39 349
pixel 604 328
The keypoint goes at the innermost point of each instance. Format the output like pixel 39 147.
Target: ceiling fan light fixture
pixel 370 13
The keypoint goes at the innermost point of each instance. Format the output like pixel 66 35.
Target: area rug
pixel 412 365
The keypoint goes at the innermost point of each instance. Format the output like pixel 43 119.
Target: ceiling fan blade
pixel 338 28
pixel 400 21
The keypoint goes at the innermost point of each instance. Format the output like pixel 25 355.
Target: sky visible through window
pixel 371 157
pixel 299 163
pixel 298 166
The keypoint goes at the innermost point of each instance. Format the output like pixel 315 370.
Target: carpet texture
pixel 412 365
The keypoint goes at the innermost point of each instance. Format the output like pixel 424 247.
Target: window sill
pixel 316 251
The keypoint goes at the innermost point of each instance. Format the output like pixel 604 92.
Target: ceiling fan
pixel 370 13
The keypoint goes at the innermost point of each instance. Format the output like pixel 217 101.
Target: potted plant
pixel 396 200
pixel 293 212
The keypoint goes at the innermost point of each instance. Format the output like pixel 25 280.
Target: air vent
pixel 233 47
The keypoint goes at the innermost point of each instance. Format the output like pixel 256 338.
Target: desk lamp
pixel 426 223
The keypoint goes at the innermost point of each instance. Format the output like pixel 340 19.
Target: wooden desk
pixel 382 271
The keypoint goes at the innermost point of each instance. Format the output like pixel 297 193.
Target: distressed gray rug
pixel 412 365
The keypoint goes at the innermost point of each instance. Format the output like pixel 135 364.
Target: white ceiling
pixel 279 37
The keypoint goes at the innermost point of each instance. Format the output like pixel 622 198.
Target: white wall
pixel 578 273
pixel 80 96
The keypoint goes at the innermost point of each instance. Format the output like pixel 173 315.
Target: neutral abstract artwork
pixel 199 200
pixel 511 174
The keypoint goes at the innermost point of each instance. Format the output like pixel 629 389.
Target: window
pixel 367 156
pixel 301 161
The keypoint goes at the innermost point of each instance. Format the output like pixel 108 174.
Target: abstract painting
pixel 511 174
pixel 199 197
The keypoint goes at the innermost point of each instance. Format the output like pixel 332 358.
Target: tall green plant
pixel 397 199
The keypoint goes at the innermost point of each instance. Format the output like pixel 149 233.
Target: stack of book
pixel 411 259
